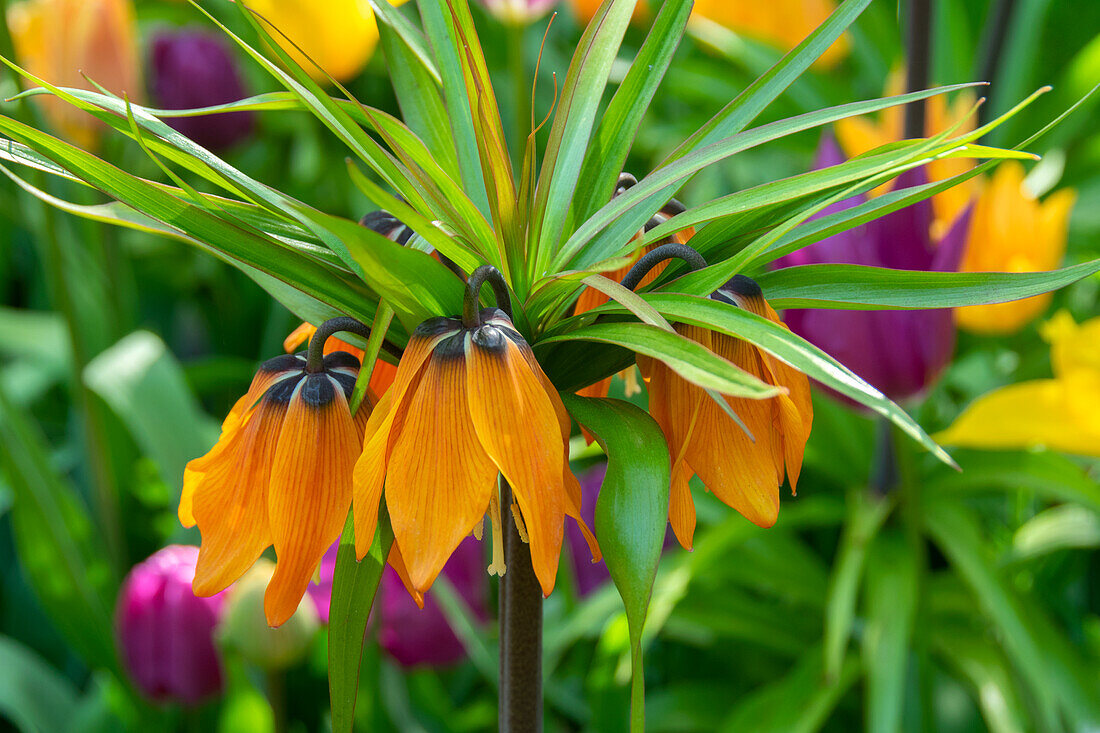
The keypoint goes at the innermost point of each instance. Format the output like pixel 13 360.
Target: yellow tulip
pixel 338 35
pixel 56 40
pixel 857 135
pixel 1012 231
pixel 780 23
pixel 1061 414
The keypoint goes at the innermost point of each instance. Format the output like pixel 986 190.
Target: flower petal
pixel 310 491
pixel 230 500
pixel 681 507
pixel 518 428
pixel 370 469
pixel 439 479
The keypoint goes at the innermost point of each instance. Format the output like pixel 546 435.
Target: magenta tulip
pixel 165 632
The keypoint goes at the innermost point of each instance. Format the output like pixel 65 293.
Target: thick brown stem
pixel 520 631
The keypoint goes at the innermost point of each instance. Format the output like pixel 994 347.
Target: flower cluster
pixel 466 412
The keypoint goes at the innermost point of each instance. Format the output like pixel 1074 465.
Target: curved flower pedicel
pixel 591 298
pixel 744 466
pixel 469 401
pixel 279 474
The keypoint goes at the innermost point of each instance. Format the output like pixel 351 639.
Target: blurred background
pixel 893 594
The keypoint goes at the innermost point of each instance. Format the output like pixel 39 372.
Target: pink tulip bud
pixel 165 632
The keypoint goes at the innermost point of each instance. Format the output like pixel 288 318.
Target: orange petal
pixel 230 502
pixel 310 490
pixel 738 471
pixel 439 479
pixel 382 377
pixel 681 507
pixel 517 426
pixel 370 469
pixel 298 336
pixel 398 564
pixel 573 503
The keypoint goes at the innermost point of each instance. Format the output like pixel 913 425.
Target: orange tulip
pixel 58 40
pixel 1011 231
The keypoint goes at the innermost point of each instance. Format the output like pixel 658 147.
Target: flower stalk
pixel 520 609
pixel 657 255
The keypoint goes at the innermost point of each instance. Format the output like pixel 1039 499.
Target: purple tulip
pixel 899 352
pixel 192 69
pixel 165 632
pixel 589 575
pixel 415 636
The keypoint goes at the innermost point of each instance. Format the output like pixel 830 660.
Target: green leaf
pixel 573 120
pixel 614 136
pixel 631 513
pixel 603 234
pixel 1051 476
pixel 56 542
pixel 735 116
pixel 993 683
pixel 799 702
pixel 144 384
pixel 692 361
pixel 1047 660
pixel 264 253
pixel 354 585
pixel 891 596
pixel 33 696
pixel 858 287
pixel 866 514
pixel 1058 528
pixel 777 340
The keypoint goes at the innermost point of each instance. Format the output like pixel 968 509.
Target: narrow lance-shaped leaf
pixel 572 126
pixel 631 514
pixel 354 585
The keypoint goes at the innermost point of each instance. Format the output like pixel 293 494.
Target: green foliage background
pixel 962 602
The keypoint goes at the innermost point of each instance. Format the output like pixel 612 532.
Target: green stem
pixel 520 631
pixel 637 689
pixel 276 696
pixel 382 319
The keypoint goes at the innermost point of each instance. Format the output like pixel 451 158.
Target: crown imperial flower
pixel 470 391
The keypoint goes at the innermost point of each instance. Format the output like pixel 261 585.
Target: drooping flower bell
pixel 743 466
pixel 382 375
pixel 591 298
pixel 192 69
pixel 279 474
pixel 1061 414
pixel 422 636
pixel 901 352
pixel 166 632
pixel 61 41
pixel 469 401
pixel 1011 231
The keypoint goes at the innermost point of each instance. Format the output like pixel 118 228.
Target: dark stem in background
pixel 993 43
pixel 520 611
pixel 918 43
pixel 884 460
